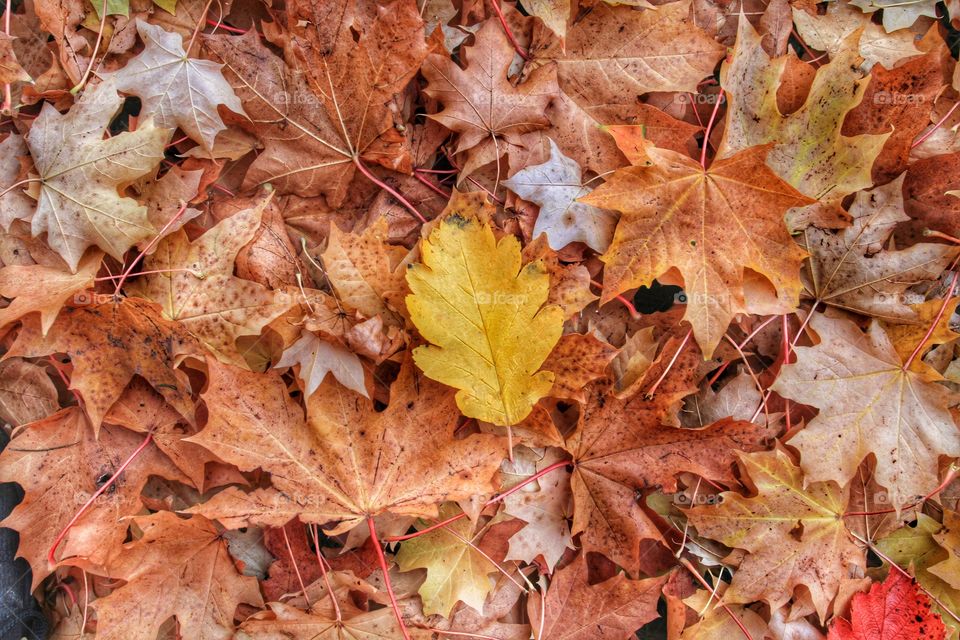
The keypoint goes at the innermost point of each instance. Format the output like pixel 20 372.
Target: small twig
pixel 696 574
pixel 51 554
pixel 513 40
pixel 96 50
pixel 296 568
pixel 382 559
pixel 673 361
pixel 494 500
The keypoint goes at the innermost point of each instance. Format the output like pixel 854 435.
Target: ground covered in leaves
pixel 396 319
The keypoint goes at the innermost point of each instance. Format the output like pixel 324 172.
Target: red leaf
pixel 895 609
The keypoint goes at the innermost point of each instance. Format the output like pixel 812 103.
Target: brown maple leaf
pixel 616 53
pixel 177 568
pixel 710 224
pixel 109 343
pixel 61 464
pixel 620 445
pixel 345 462
pixel 480 104
pixel 574 609
pixel 324 109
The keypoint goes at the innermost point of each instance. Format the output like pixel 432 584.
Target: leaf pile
pixel 499 319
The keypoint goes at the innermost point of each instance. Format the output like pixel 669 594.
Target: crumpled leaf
pixel 26 392
pixel 79 204
pixel 291 623
pixel 545 508
pixel 195 285
pixel 851 268
pixel 830 32
pixel 10 69
pixel 482 311
pixel 43 289
pixel 176 90
pixel 898 14
pixel 317 358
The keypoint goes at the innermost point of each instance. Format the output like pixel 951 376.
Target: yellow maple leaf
pixel 456 569
pixel 483 313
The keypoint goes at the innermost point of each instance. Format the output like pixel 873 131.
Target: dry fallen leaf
pixel 476 304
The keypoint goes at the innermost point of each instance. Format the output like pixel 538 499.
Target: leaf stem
pixel 706 133
pixel 51 559
pixel 939 123
pixel 96 50
pixel 383 185
pixel 506 28
pixel 296 567
pixel 494 500
pixel 18 184
pixel 323 571
pixel 933 325
pixel 382 559
pixel 7 107
pixel 153 242
pixel 431 186
pixel 950 477
pixel 673 361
